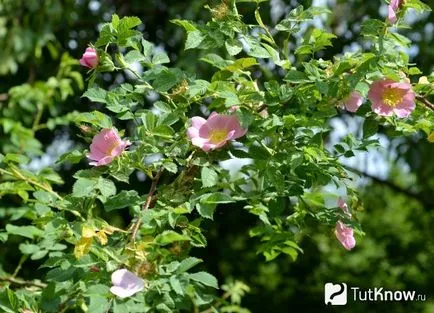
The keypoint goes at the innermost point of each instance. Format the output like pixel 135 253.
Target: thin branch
pixel 425 102
pixel 223 298
pixel 22 282
pixel 261 108
pixel 18 175
pixel 387 183
pixel 147 203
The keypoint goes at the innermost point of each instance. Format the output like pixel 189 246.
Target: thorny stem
pixel 22 282
pixel 425 102
pixel 147 203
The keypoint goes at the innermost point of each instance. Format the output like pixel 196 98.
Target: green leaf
pixel 217 197
pixel 370 127
pixel 83 187
pixel 241 64
pixel 121 200
pixel 96 94
pixel 233 46
pixel 171 167
pixel 128 22
pixel 194 38
pixel 205 279
pixel 24 231
pixel 188 25
pixel 166 79
pixel 169 236
pixel 106 187
pixel 94 118
pixel 72 157
pixel 15 158
pixel 176 285
pixel 417 5
pixel 206 210
pixel 98 304
pixel 160 58
pixel 296 77
pixel 209 177
pixel 372 27
pixel 187 263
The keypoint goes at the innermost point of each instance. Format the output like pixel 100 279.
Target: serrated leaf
pixel 187 263
pixel 176 285
pixel 370 127
pixel 96 94
pixel 205 279
pixel 217 197
pixel 233 46
pixel 170 236
pixel 206 210
pixel 72 157
pixel 106 187
pixel 121 200
pixel 83 187
pixel 209 177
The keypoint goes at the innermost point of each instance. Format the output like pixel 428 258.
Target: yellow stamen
pixel 392 96
pixel 218 135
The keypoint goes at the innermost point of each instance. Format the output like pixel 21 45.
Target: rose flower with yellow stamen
pixel 388 97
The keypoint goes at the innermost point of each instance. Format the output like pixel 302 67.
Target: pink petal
pixel 345 235
pixel 353 101
pixel 199 142
pixel 197 122
pixel 120 148
pixel 343 205
pixel 382 109
pixel 192 132
pixel 105 146
pixel 391 15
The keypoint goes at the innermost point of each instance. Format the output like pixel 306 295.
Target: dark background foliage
pixel 397 251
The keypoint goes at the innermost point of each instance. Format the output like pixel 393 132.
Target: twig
pixel 22 282
pixel 425 102
pixel 23 259
pixel 387 183
pixel 224 297
pixel 18 175
pixel 261 108
pixel 147 203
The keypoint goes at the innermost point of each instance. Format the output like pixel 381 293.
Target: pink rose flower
pixel 214 132
pixel 89 58
pixel 125 283
pixel 352 102
pixel 388 97
pixel 392 10
pixel 344 233
pixel 105 146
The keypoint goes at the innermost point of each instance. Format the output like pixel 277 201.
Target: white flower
pixel 125 283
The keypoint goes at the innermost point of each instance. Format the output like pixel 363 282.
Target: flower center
pixel 218 135
pixel 392 97
pixel 112 147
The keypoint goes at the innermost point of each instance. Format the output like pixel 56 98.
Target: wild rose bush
pixel 280 126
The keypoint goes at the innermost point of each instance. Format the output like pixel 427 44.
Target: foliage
pixel 82 227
